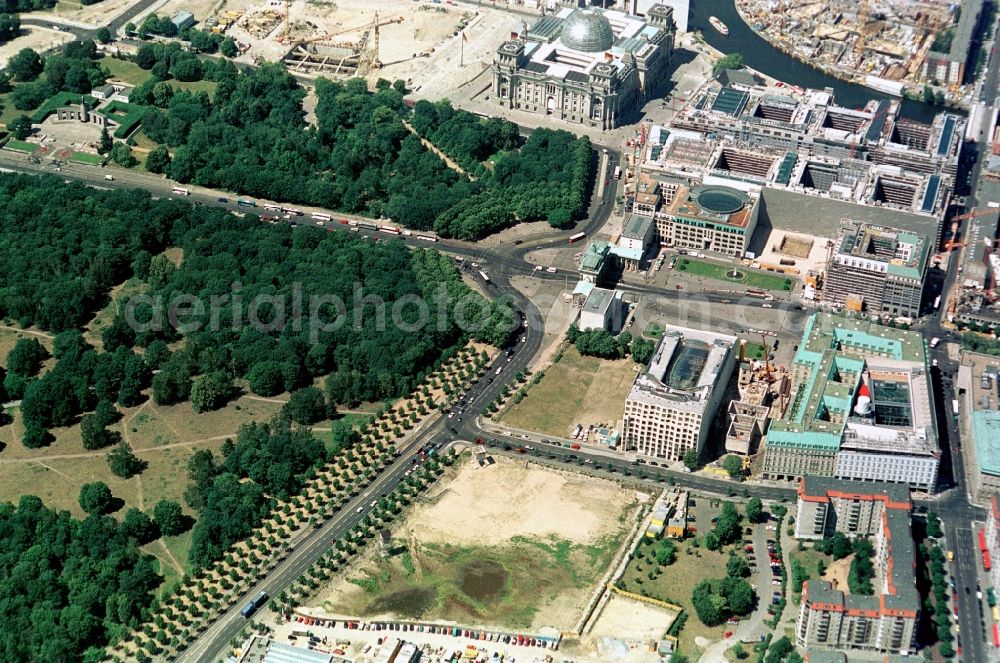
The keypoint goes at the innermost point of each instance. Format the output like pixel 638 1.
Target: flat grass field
pixel 86 157
pixel 809 558
pixel 675 585
pixel 750 277
pixel 754 350
pixel 165 437
pixel 21 146
pixel 576 390
pixel 654 330
pixel 124 71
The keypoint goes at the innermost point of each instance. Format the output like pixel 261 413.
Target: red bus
pixel 577 237
pixel 996 635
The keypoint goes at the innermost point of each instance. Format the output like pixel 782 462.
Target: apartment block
pixel 672 405
pixel 832 618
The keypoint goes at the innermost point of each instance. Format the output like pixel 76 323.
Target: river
pixel 760 55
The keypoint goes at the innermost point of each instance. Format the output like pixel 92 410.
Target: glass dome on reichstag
pixel 588 31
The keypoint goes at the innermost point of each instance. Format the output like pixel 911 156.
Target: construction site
pixel 885 44
pixel 392 39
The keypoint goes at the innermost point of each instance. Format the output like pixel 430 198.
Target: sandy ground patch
pixel 629 619
pixel 544 537
pixel 520 231
pixel 533 502
pixel 838 571
pixel 39 39
pixel 96 14
pixel 808 252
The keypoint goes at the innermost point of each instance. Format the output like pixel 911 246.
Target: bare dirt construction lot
pixel 575 390
pixel 504 545
pixel 629 619
pixel 39 39
pixel 838 571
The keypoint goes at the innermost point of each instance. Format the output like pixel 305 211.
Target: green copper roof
pixel 986 434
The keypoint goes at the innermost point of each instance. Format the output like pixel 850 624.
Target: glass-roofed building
pixel 861 407
pixel 589 66
pixel 671 406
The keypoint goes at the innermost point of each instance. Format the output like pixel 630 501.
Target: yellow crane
pixel 367 46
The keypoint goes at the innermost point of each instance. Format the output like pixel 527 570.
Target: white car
pixel 359 509
pixel 374 502
pixel 550 270
pixel 538 268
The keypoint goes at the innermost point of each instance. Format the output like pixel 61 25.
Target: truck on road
pixel 254 605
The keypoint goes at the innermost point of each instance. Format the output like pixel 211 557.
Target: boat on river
pixel 718 25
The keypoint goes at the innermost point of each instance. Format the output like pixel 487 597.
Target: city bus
pixel 427 238
pixel 272 208
pixel 367 225
pixel 954 409
pixel 181 192
pixel 390 230
pixel 618 172
pixel 319 216
pixel 485 277
pixel 245 203
pixel 577 237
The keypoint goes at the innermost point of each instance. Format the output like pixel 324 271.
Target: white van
pixel 934 342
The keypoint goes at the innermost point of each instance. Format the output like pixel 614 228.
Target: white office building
pixel 671 406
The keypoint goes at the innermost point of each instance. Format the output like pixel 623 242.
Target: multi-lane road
pixel 506 261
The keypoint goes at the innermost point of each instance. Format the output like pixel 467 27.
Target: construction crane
pixel 366 27
pixel 369 55
pixel 983 211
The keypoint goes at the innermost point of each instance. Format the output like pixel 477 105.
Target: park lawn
pixel 577 389
pixel 87 158
pixel 654 330
pixel 752 278
pixel 21 146
pixel 143 141
pixel 809 558
pixel 753 350
pixel 124 71
pixel 676 584
pixel 195 86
